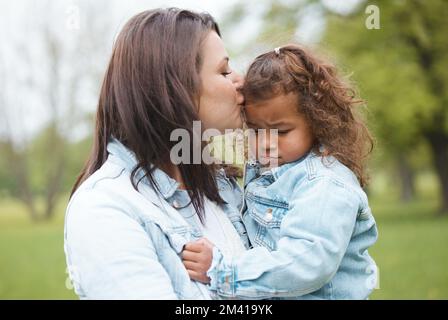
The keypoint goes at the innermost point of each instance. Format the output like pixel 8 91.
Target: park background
pixel 52 58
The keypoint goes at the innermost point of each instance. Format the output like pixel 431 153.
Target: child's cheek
pixel 284 148
pixel 290 147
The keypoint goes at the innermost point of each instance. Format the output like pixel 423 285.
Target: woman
pixel 132 210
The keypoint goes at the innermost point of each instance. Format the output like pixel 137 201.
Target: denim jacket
pixel 126 244
pixel 311 227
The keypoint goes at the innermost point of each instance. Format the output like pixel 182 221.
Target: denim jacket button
pixel 176 204
pixel 269 214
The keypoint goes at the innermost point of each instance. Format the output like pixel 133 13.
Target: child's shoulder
pixel 315 167
pixel 316 173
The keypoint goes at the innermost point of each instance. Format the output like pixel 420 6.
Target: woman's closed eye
pixel 225 74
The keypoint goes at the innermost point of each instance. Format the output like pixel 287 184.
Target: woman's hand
pixel 197 257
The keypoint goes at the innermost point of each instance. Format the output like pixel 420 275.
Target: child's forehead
pixel 279 108
pixel 278 100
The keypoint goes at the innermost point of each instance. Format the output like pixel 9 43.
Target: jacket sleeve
pixel 109 254
pixel 314 235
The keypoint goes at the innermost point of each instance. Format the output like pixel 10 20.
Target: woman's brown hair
pixel 328 103
pixel 150 88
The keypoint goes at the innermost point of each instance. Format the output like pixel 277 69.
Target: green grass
pixel 32 261
pixel 411 253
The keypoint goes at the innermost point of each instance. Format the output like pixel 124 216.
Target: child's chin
pixel 271 162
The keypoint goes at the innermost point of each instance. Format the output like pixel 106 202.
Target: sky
pixel 25 66
pixel 24 61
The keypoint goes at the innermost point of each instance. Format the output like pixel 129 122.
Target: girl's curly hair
pixel 327 102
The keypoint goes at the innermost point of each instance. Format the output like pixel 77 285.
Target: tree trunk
pixel 53 188
pixel 407 178
pixel 18 166
pixel 27 198
pixel 439 145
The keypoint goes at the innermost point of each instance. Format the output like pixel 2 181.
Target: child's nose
pixel 269 141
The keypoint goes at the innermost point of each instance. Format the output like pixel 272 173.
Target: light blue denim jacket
pixel 125 244
pixel 311 226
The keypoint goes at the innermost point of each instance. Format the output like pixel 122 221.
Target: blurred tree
pixel 401 70
pixel 52 73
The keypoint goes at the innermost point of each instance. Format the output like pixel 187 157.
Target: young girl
pixel 308 218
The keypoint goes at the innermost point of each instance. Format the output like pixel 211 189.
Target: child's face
pixel 294 134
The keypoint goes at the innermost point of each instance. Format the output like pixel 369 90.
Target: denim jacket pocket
pixel 168 238
pixel 268 215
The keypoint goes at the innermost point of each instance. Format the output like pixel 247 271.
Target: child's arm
pixel 314 236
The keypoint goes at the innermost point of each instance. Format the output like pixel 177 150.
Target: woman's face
pixel 220 101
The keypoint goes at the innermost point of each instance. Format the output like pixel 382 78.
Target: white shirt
pixel 219 230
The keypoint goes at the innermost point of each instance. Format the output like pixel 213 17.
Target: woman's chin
pixel 238 123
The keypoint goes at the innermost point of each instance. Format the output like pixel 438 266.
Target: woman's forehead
pixel 214 51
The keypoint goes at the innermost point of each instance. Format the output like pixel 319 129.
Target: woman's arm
pixel 110 256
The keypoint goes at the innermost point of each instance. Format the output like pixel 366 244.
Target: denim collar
pixel 277 172
pixel 123 156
